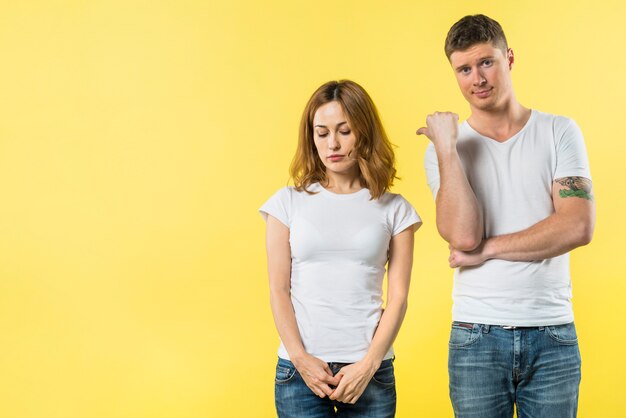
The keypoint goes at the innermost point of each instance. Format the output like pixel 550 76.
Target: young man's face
pixel 484 75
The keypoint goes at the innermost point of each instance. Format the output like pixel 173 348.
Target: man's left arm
pixel 570 226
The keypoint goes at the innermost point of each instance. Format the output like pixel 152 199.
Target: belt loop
pixel 486 328
pixel 541 328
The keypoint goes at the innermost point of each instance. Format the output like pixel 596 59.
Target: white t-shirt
pixel 339 249
pixel 513 181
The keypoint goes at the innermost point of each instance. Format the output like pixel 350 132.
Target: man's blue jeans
pixel 492 368
pixel 294 399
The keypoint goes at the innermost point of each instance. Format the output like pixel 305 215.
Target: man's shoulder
pixel 551 119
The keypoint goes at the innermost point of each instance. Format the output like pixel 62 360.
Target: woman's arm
pixel 356 377
pixel 315 372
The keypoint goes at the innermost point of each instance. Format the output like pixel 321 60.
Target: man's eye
pixel 487 63
pixel 465 70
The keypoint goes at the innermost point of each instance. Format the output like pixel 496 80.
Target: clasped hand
pixel 346 386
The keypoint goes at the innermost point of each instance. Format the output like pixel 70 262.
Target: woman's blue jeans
pixel 493 368
pixel 294 399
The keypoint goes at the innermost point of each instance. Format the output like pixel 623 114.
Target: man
pixel 513 197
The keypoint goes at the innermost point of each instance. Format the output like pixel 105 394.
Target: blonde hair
pixel 374 152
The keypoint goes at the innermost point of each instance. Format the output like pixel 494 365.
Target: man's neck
pixel 502 123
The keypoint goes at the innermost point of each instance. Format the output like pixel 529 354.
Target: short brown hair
pixel 475 29
pixel 374 152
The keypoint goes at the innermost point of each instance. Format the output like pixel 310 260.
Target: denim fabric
pixel 493 368
pixel 294 399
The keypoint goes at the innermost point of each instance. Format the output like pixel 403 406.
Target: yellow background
pixel 138 139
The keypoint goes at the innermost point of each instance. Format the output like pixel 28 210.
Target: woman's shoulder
pixel 292 192
pixel 392 198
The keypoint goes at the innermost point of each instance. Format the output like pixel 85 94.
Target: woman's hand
pixel 316 374
pixel 354 378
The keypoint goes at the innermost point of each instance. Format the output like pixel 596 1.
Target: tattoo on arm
pixel 575 187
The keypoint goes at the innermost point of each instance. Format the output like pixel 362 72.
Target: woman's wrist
pixel 297 357
pixel 372 362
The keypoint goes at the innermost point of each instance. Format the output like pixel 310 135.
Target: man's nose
pixel 479 78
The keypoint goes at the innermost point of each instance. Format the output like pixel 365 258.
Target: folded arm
pixel 570 226
pixel 459 218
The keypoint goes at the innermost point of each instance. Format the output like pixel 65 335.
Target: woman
pixel 328 241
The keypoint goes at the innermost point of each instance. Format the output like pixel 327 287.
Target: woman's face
pixel 334 139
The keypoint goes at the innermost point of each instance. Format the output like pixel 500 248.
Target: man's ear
pixel 510 58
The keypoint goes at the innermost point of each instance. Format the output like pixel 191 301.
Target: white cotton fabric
pixel 513 182
pixel 339 249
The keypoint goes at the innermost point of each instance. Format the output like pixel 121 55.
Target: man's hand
pixel 442 129
pixel 316 374
pixel 460 258
pixel 354 379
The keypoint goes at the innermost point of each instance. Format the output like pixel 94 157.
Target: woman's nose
pixel 332 142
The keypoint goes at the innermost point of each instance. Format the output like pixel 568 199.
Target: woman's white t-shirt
pixel 339 249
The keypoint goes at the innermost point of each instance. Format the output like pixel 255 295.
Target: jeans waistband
pixel 486 327
pixel 331 364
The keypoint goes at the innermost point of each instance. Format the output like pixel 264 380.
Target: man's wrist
pixel 489 249
pixel 446 148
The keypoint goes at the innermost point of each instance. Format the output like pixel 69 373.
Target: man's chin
pixel 485 105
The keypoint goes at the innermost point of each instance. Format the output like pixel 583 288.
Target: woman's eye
pixel 322 135
pixel 344 132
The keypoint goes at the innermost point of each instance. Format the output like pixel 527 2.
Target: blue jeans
pixel 294 399
pixel 492 368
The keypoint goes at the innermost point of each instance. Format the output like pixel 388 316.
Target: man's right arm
pixel 459 218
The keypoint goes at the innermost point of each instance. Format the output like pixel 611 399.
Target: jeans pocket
pixel 563 334
pixel 463 335
pixel 385 375
pixel 284 372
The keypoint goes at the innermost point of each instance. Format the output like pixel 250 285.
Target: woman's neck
pixel 342 183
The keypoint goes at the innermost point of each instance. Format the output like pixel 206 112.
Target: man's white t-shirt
pixel 512 181
pixel 339 249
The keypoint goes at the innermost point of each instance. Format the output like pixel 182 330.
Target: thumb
pixel 337 378
pixel 422 131
pixel 327 370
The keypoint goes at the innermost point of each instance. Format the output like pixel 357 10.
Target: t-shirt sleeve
pixel 278 206
pixel 403 216
pixel 432 169
pixel 571 153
